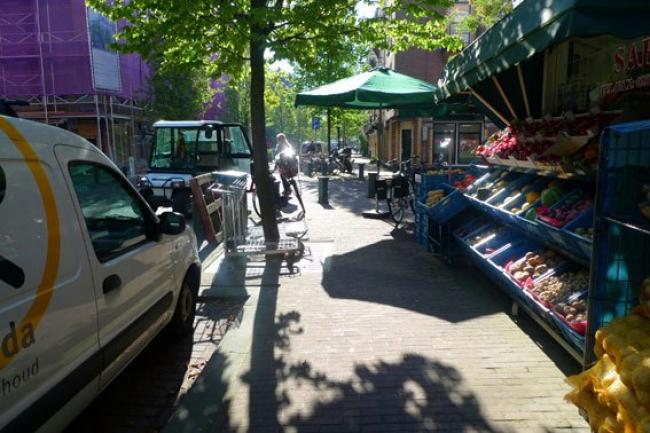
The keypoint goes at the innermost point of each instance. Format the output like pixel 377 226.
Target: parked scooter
pixel 341 159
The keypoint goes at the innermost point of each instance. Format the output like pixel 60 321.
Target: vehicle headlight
pixel 144 182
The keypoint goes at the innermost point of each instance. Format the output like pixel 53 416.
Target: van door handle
pixel 112 282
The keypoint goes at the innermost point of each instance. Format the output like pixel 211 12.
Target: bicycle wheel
pixel 397 208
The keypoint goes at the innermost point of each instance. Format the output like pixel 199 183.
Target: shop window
pixel 469 138
pixel 444 142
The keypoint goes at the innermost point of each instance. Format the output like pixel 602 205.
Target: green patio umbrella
pixel 378 89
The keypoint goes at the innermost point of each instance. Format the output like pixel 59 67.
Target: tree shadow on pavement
pixel 414 393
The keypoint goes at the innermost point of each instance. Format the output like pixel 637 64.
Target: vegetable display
pixel 434 196
pixel 533 265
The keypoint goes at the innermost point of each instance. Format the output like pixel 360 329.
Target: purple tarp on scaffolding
pixel 63 62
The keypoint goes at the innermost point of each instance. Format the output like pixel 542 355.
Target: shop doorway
pixel 406 144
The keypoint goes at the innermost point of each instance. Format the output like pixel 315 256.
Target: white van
pixel 88 275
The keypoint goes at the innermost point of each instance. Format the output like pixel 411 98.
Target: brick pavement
pixel 372 334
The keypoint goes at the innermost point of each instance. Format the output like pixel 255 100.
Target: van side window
pixel 114 218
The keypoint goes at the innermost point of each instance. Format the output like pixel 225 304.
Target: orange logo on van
pixel 24 331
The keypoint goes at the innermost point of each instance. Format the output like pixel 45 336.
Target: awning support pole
pixel 524 93
pixel 544 78
pixel 504 97
pixel 490 107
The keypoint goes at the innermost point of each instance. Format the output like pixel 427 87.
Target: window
pixel 115 219
pixel 444 142
pixel 174 148
pixel 469 138
pixel 162 148
pixel 238 145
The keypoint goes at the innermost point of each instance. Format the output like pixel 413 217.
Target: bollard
pixel 310 168
pixel 372 180
pixel 324 166
pixel 362 167
pixel 323 194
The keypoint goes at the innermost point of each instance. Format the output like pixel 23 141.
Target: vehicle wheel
pixel 182 322
pixel 182 202
pixel 396 207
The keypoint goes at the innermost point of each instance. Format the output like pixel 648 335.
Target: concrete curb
pixel 201 407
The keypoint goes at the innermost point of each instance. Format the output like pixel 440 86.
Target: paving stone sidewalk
pixel 371 334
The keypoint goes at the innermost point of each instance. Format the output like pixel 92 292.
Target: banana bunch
pixel 434 196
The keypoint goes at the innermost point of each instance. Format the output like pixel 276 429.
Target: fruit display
pixel 552 194
pixel 530 139
pixel 465 182
pixel 490 189
pixel 555 288
pixel 533 265
pixel 570 208
pixel 434 196
pixel 615 392
pixel 530 198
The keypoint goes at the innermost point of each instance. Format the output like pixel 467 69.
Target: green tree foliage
pixel 179 92
pixel 229 36
pixel 485 13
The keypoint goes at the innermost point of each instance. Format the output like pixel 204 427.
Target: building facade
pixel 55 54
pixel 451 138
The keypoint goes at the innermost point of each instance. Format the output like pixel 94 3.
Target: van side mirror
pixel 172 223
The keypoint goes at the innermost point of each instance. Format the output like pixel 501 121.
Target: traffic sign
pixel 315 122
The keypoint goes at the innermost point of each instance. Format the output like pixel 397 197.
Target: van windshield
pixel 184 149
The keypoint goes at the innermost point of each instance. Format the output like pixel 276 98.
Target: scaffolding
pixel 49 57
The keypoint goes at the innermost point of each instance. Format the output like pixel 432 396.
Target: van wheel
pixel 182 322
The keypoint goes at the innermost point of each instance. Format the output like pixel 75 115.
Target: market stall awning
pixel 381 88
pixel 532 27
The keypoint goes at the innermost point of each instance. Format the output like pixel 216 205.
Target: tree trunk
pixel 258 132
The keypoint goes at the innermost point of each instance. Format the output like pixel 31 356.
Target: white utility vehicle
pixel 182 149
pixel 89 274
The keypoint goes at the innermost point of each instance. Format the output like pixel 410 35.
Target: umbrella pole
pixel 329 132
pixel 376 213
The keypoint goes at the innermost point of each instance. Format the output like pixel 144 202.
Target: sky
pixel 364 10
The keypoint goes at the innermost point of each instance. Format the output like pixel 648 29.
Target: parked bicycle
pixel 400 188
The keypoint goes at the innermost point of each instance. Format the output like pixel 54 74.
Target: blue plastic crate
pixel 451 205
pixel 492 245
pixel 581 246
pixel 576 340
pixel 472 226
